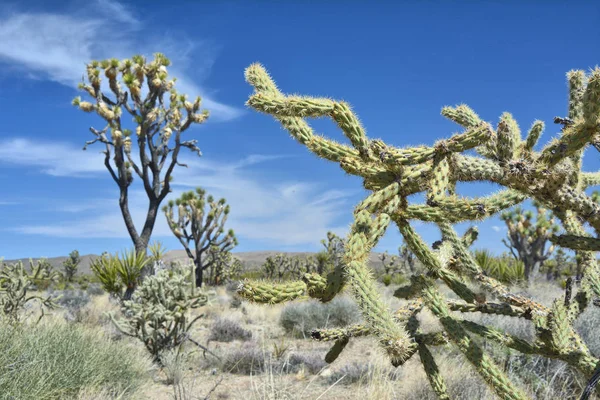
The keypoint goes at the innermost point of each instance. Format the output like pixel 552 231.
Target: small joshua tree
pixel 391 265
pixel 71 264
pixel 16 285
pixel 527 239
pixel 204 233
pixel 407 258
pixel 157 121
pixel 223 266
pixel 334 245
pixel 157 314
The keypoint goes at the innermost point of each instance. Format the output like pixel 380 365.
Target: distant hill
pixel 252 259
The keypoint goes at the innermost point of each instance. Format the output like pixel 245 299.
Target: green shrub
pixel 59 360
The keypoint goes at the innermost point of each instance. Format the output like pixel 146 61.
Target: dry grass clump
pixel 58 360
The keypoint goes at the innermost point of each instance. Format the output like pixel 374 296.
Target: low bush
pixel 59 361
pixel 300 319
pixel 226 330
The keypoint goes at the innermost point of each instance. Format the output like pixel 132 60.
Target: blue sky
pixel 396 64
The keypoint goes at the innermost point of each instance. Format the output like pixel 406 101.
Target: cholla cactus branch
pixel 552 177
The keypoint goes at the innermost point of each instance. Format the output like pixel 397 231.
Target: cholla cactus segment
pixel 552 177
pixel 158 313
pixel 268 293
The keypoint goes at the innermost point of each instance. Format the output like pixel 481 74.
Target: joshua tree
pixel 205 234
pixel 527 239
pixel 71 264
pixel 157 121
pixel 407 258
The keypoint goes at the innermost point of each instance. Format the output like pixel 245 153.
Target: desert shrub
pixel 94 289
pixel 73 299
pixel 58 361
pixel 313 362
pixel 236 302
pixel 301 318
pixel 246 360
pixel 74 302
pixel 227 330
pixel 352 373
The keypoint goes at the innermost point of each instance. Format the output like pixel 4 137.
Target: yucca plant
pixel 503 268
pixel 157 252
pixel 117 273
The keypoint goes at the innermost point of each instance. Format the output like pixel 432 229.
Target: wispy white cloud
pixel 57 46
pixel 278 213
pixel 497 228
pixel 57 159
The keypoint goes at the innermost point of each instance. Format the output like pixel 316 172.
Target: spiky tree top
pixel 71 264
pixel 527 238
pixel 551 176
pixel 203 230
pixel 157 121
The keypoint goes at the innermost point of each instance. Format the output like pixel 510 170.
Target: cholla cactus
pixel 157 314
pixel 552 176
pixel 157 121
pixel 205 231
pixel 527 239
pixel 70 265
pixel 16 285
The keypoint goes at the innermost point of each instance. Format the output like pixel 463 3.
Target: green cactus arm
pixel 590 179
pixel 575 137
pixel 484 365
pixel 436 381
pixel 470 236
pixel 575 242
pixel 533 136
pixel 363 237
pixel 591 99
pixel 508 139
pixel 258 77
pixel 337 348
pixel 440 179
pixel 456 210
pixel 462 115
pixel 471 138
pixel 269 293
